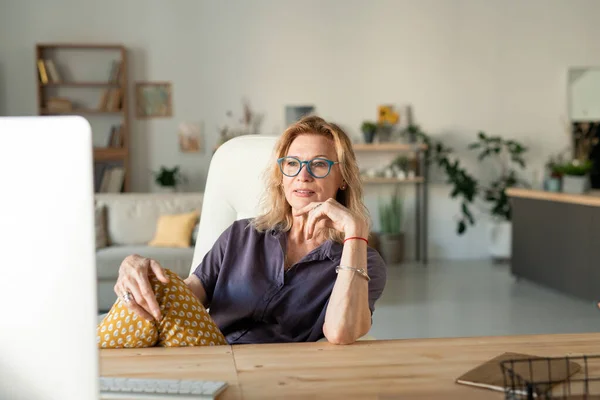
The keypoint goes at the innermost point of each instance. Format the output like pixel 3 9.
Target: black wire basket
pixel 569 377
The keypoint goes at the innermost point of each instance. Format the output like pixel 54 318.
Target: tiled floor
pixel 473 298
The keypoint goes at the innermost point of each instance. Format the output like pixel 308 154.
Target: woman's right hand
pixel 134 278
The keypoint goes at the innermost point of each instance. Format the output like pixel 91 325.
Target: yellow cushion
pixel 174 230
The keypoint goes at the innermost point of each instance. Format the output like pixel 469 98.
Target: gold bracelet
pixel 360 271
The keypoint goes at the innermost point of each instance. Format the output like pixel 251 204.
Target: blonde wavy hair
pixel 276 213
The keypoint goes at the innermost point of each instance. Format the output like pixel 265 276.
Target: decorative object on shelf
pixel 585 138
pixel 153 99
pixel 296 113
pixel 391 237
pixel 387 115
pixel 411 132
pixel 400 166
pixel 575 176
pixel 248 124
pixel 553 172
pixel 59 105
pixel 168 179
pixel 387 118
pixel 190 140
pixel 369 129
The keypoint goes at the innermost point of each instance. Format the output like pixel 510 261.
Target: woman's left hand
pixel 331 214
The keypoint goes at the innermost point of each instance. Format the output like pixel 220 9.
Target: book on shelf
pixel 116 137
pixel 111 98
pixel 52 71
pixel 48 71
pixel 108 177
pixel 42 71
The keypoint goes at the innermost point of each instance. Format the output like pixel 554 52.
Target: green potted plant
pixel 508 156
pixel 368 129
pixel 391 237
pixel 553 173
pixel 168 178
pixel 412 132
pixel 575 176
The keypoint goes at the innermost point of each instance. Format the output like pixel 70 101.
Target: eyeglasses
pixel 317 167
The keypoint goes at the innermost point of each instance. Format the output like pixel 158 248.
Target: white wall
pixel 464 66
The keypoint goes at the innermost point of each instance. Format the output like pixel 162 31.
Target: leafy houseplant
pixel 465 187
pixel 391 239
pixel 574 168
pixel 168 178
pixel 368 129
pixel 507 154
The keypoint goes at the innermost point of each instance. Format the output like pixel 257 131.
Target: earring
pixel 343 187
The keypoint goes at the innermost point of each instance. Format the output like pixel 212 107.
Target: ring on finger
pixel 127 297
pixel 317 206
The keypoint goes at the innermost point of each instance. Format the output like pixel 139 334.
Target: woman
pixel 299 271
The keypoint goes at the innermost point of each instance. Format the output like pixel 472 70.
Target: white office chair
pixel 233 188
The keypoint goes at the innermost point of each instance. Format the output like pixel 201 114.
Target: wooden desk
pixel 415 369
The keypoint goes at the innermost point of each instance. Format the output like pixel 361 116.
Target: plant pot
pixel 369 136
pixel 500 240
pixel 552 184
pixel 575 184
pixel 392 247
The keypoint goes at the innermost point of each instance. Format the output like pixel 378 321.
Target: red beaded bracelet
pixel 356 237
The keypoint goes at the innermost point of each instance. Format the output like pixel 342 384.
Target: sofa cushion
pixel 132 217
pixel 174 230
pixel 109 259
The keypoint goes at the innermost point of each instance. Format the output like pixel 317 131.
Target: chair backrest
pixel 233 187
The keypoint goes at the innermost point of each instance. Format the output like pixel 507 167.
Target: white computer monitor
pixel 47 264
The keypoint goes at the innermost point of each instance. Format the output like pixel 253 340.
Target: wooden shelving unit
pixel 420 181
pixel 101 84
pixel 107 153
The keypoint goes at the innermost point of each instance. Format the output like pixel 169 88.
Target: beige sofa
pixel 129 221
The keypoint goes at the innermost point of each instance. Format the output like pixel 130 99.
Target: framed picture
pixel 190 140
pixel 295 113
pixel 153 99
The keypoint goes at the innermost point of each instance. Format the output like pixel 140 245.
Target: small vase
pixel 552 184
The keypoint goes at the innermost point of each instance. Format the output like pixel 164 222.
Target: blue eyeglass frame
pixel 307 163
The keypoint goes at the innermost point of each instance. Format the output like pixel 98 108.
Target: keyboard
pixel 155 389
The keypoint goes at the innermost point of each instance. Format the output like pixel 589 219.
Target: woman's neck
pixel 297 235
